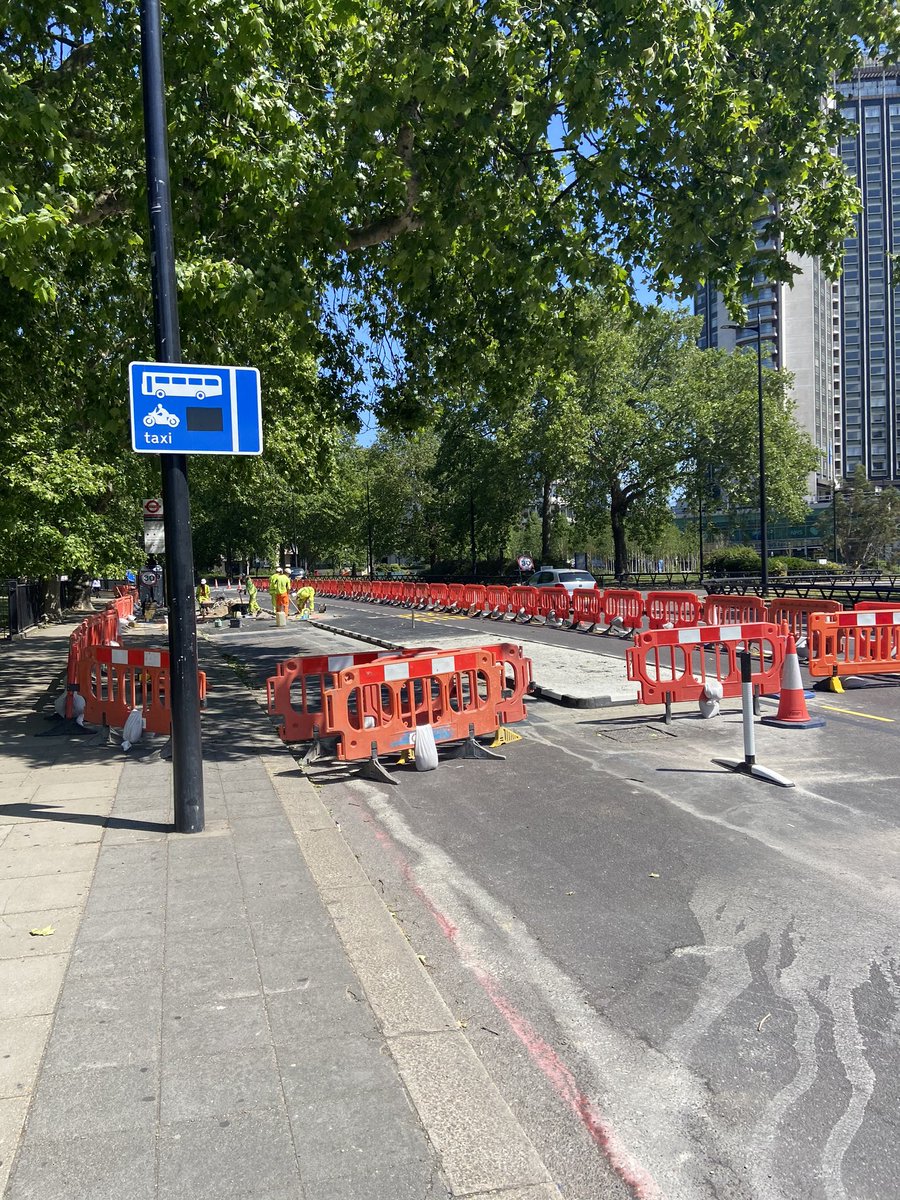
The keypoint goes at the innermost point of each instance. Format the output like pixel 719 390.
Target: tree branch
pixel 387 228
pixel 107 204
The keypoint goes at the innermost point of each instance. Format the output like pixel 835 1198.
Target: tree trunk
pixel 545 523
pixel 617 510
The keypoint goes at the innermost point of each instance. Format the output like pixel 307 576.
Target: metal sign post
pixel 187 746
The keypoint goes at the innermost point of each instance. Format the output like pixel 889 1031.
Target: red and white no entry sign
pixel 153 508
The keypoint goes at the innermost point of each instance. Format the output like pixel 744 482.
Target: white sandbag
pixel 78 705
pixel 134 729
pixel 426 750
pixel 59 705
pixel 709 701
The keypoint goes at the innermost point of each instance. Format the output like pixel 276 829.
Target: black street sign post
pixel 187 747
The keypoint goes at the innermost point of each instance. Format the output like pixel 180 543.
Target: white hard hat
pixel 203 581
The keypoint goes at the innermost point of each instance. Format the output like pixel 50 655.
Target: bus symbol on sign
pixel 162 385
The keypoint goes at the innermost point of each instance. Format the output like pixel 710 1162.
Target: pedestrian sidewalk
pixel 233 1014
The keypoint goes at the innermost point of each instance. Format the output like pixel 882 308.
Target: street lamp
pixel 763 511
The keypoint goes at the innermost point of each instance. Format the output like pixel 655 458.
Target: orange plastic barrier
pixel 497 600
pixel 376 709
pixel 516 677
pixel 295 693
pixel 439 596
pixel 679 609
pixel 735 610
pixel 860 642
pixel 523 601
pixel 455 596
pixel 475 599
pixel 587 608
pixel 623 603
pixel 672 665
pixel 114 680
pixel 551 604
pixel 795 613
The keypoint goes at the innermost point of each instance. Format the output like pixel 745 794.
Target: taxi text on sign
pixel 183 408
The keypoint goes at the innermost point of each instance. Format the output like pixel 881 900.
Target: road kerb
pixel 483 1148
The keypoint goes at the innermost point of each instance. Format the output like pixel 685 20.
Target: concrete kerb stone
pixel 481 1145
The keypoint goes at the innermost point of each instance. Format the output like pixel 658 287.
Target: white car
pixel 565 577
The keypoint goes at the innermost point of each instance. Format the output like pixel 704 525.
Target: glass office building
pixel 869 300
pixel 842 341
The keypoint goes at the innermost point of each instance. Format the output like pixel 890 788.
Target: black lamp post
pixel 763 510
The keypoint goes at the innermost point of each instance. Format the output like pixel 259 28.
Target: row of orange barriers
pixel 586 609
pixel 373 703
pixel 864 641
pixel 114 680
pixel 671 665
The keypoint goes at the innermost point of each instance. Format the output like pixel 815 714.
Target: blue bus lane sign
pixel 181 408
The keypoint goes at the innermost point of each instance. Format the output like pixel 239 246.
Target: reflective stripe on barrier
pixel 627 605
pixel 674 608
pixel 794 613
pixel 860 642
pixel 587 608
pixel 676 663
pixel 378 708
pixel 735 610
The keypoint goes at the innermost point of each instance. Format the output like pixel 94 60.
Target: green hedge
pixel 743 560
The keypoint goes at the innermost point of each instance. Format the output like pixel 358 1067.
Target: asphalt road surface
pixel 686 983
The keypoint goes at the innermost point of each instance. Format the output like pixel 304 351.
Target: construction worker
pixel 204 598
pixel 307 602
pixel 280 591
pixel 252 602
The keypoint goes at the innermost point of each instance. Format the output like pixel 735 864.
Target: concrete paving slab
pixel 21 862
pixel 34 985
pixel 54 829
pixel 44 891
pixel 21 1046
pixel 248 1156
pixel 116 1165
pixel 340 1134
pixel 95 1103
pixel 207 1026
pixel 87 1043
pixel 12 1116
pixel 403 1180
pixel 219 1085
pixel 16 940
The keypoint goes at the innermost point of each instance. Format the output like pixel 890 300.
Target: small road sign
pixel 154 536
pixel 148 578
pixel 525 563
pixel 153 510
pixel 182 408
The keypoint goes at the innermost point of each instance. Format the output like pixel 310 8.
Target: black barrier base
pixel 472 749
pixel 373 769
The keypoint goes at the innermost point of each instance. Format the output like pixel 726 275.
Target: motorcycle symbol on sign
pixel 159 416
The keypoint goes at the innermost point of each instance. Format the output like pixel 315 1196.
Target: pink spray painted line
pixel 642 1184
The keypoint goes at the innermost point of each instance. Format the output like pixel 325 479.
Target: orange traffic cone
pixel 792 711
